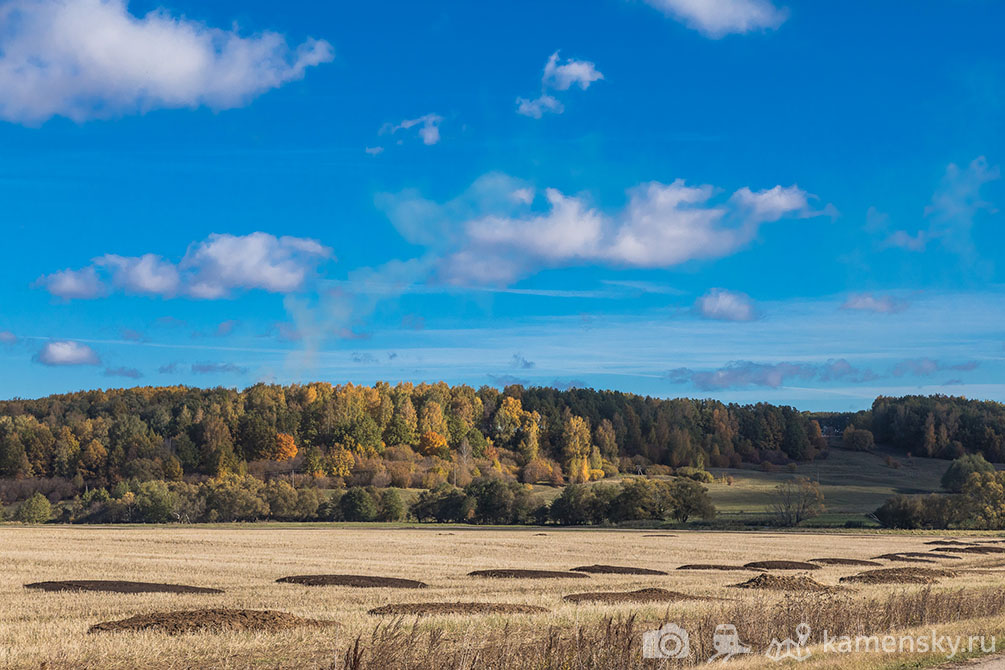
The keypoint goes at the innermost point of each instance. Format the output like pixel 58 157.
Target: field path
pixel 993 663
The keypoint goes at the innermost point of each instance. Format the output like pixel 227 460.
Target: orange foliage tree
pixel 285 449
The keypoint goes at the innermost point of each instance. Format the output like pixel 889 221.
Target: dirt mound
pixel 978 549
pixel 421 609
pixel 844 561
pixel 215 620
pixel 899 576
pixel 640 596
pixel 906 559
pixel 540 535
pixel 361 581
pixel 780 565
pixel 117 587
pixel 784 583
pixel 527 574
pixel 711 566
pixel 950 543
pixel 659 535
pixel 616 570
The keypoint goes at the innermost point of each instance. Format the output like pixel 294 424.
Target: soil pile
pixel 426 609
pixel 844 561
pixel 616 570
pixel 214 620
pixel 899 576
pixel 784 583
pixel 110 586
pixel 640 596
pixel 360 581
pixel 527 574
pixel 780 565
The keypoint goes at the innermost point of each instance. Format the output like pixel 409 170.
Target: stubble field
pixel 42 629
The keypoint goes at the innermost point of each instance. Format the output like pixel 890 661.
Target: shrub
pixel 959 471
pixel 688 498
pixel 797 500
pixel 392 507
pixel 35 509
pixel 358 505
pixel 857 439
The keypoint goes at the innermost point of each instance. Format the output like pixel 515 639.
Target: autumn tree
pixel 797 500
pixel 284 447
pixel 434 444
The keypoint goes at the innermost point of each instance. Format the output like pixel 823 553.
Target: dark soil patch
pixel 360 581
pixel 540 534
pixel 906 559
pixel 216 620
pixel 978 549
pixel 527 574
pixel 844 561
pixel 640 596
pixel 659 535
pixel 117 587
pixel 712 566
pixel 784 583
pixel 781 565
pixel 616 570
pixel 950 543
pixel 899 576
pixel 420 609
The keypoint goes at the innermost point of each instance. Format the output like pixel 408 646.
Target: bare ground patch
pixel 112 586
pixel 712 566
pixel 784 583
pixel 780 565
pixel 641 596
pixel 844 561
pixel 193 621
pixel 616 570
pixel 527 574
pixel 428 609
pixel 899 576
pixel 360 581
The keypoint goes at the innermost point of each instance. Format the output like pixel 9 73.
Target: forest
pixel 407 435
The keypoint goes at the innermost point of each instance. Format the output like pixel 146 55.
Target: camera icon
pixel 670 641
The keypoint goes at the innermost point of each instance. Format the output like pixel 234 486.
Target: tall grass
pixel 615 643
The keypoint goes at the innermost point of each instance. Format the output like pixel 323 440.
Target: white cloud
pixel 7 337
pixel 868 302
pixel 537 107
pixel 429 127
pixel 488 236
pixel 571 72
pixel 374 151
pixel 717 18
pixel 86 59
pixel 957 201
pixel 65 352
pixel 559 77
pixel 211 269
pixel 724 305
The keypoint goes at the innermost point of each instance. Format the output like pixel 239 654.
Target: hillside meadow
pixel 50 629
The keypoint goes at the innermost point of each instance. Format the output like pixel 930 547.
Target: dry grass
pixel 50 629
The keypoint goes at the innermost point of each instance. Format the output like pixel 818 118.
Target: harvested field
pixel 429 609
pixel 712 566
pixel 358 581
pixel 784 583
pixel 111 586
pixel 616 570
pixel 899 576
pixel 641 596
pixel 976 549
pixel 526 574
pixel 781 565
pixel 844 561
pixel 194 621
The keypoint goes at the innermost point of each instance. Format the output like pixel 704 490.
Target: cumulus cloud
pixel 725 305
pixel 67 352
pixel 489 236
pixel 867 302
pixel 717 18
pixel 957 201
pixel 87 59
pixel 211 269
pixel 429 128
pixel 131 373
pixel 363 357
pixel 521 363
pixel 217 368
pixel 168 369
pixel 558 76
pixel 772 375
pixel 924 367
pixel 7 337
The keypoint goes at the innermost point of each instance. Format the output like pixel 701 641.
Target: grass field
pixel 49 630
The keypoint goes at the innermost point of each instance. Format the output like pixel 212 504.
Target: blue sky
pixel 751 200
